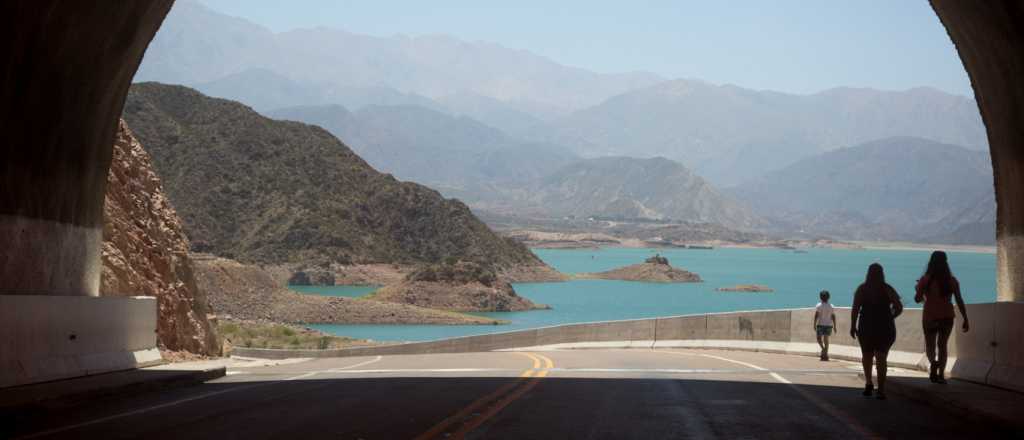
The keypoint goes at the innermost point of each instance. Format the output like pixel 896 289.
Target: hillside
pixel 630 188
pixel 430 147
pixel 896 188
pixel 729 134
pixel 259 190
pixel 198 45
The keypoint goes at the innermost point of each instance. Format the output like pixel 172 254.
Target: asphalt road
pixel 641 394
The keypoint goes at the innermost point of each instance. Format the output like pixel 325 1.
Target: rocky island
pixel 455 286
pixel 655 269
pixel 746 288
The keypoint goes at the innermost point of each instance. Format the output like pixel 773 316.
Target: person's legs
pixel 944 331
pixel 821 345
pixel 824 347
pixel 866 358
pixel 882 366
pixel 930 333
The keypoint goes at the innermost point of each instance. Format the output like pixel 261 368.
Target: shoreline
pixel 907 246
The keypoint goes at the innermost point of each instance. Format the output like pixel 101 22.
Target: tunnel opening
pixel 53 179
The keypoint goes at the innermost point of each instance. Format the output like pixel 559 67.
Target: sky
pixel 785 45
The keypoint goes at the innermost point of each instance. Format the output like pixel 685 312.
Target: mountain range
pixel 730 134
pixel 266 191
pixel 198 45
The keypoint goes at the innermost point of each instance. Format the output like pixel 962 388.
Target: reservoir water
pixel 796 277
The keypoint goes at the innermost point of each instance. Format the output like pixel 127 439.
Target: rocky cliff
pixel 145 251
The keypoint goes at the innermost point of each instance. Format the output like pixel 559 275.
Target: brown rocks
pixel 145 251
pixel 455 286
pixel 247 292
pixel 456 297
pixel 312 278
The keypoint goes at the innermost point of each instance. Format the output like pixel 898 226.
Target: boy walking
pixel 824 322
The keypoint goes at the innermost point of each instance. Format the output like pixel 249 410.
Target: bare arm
pixel 919 291
pixel 816 314
pixel 854 313
pixel 897 304
pixel 835 323
pixel 960 304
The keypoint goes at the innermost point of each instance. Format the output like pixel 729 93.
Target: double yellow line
pixel 536 371
pixel 482 409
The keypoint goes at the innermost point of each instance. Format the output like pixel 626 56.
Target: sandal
pixel 868 389
pixel 880 395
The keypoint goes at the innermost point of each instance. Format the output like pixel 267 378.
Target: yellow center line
pixel 464 413
pixel 511 397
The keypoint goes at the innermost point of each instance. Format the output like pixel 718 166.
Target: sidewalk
pixel 79 389
pixel 980 403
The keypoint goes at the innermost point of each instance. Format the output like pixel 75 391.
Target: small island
pixel 746 288
pixel 655 269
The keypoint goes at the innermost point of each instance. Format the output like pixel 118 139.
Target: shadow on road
pixel 403 407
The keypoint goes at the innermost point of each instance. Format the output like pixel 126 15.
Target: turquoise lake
pixel 796 277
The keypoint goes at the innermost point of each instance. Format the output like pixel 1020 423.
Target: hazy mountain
pixel 196 45
pixel 729 134
pixel 894 188
pixel 264 90
pixel 271 191
pixel 430 147
pixel 630 188
pixel 497 114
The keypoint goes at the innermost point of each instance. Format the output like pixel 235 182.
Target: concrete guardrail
pixel 992 352
pixel 56 337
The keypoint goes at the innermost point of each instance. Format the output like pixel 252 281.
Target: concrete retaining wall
pixel 990 353
pixel 57 337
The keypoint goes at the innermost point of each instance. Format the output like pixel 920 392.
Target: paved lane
pixel 549 394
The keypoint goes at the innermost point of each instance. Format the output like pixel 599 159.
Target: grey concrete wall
pixel 55 337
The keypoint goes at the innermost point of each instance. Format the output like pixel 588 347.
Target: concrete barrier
pixel 990 353
pixel 56 337
pixel 1008 365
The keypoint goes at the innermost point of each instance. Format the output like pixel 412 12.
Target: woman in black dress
pixel 875 308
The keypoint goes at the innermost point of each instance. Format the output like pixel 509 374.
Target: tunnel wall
pixel 65 68
pixel 52 337
pixel 989 36
pixel 990 353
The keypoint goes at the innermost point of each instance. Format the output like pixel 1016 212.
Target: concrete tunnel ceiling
pixel 68 66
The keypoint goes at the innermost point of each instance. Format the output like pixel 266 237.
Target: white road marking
pixel 773 374
pixel 179 402
pixel 376 359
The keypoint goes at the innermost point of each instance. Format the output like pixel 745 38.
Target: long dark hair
pixel 938 270
pixel 875 277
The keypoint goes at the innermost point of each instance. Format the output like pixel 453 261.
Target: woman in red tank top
pixel 935 288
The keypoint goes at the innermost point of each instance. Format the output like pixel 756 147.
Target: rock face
pixel 462 287
pixel 145 251
pixel 653 270
pixel 247 292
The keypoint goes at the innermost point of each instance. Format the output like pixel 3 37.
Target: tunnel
pixel 68 67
